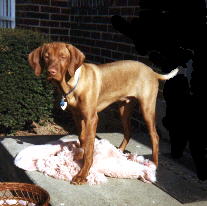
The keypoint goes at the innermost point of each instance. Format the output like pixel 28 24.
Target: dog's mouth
pixel 49 78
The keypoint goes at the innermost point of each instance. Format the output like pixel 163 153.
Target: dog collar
pixel 76 80
pixel 63 103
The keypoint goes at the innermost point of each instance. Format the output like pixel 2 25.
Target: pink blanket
pixel 56 160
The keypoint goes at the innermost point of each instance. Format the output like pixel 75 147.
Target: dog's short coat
pixel 99 86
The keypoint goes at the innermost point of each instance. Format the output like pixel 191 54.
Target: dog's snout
pixel 52 72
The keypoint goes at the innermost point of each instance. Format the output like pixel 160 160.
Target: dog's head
pixel 57 58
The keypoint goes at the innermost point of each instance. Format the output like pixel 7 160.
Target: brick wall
pixel 86 24
pixel 47 16
pixel 92 30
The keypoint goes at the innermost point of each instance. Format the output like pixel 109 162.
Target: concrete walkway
pixel 177 184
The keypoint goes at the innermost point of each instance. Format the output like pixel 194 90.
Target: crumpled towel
pixel 15 202
pixel 56 160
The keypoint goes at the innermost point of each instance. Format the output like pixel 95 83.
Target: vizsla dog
pixel 89 88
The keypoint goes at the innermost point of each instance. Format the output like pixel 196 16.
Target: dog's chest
pixel 72 101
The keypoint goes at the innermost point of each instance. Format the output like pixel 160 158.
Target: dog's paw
pixel 79 180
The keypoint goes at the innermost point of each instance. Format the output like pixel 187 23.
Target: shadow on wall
pixel 170 35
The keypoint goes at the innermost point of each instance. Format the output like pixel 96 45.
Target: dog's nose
pixel 52 71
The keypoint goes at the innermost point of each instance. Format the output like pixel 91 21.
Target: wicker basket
pixel 22 194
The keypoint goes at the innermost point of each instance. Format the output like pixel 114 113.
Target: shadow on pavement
pixel 8 171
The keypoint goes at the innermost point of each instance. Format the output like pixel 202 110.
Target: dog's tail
pixel 168 76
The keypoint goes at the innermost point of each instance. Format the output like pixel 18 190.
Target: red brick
pixel 49 9
pixel 65 38
pixel 124 48
pixel 101 27
pixel 61 3
pixel 126 11
pixel 33 22
pixel 119 37
pixel 96 51
pixel 103 11
pixel 85 41
pixel 133 3
pixel 49 23
pixel 60 38
pixel 42 29
pixel 110 28
pixel 83 26
pixel 117 55
pixel 33 2
pixel 90 58
pixel 65 11
pixel 121 2
pixel 129 57
pixel 98 59
pixel 105 53
pixel 106 45
pixel 101 19
pixel 34 15
pixel 65 24
pixel 74 39
pixel 28 7
pixel 59 31
pixel 60 17
pixel 55 37
pixel 85 49
pixel 107 60
pixel 95 35
pixel 107 36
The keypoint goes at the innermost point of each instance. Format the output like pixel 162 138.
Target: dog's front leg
pixel 88 146
pixel 81 128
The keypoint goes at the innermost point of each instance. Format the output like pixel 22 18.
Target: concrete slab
pixel 177 185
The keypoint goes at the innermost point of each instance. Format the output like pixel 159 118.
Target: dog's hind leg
pixel 148 111
pixel 126 110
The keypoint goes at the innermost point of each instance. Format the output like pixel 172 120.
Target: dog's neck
pixel 69 86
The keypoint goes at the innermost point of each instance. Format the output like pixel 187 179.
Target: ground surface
pixel 176 185
pixel 176 182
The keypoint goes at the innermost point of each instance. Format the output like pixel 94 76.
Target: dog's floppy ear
pixel 76 59
pixel 34 59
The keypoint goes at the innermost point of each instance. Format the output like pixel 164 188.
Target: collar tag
pixel 63 103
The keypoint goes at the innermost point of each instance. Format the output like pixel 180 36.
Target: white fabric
pixel 56 160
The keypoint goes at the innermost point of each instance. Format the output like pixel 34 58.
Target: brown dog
pixel 90 88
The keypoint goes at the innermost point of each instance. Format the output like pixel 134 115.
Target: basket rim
pixel 21 184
